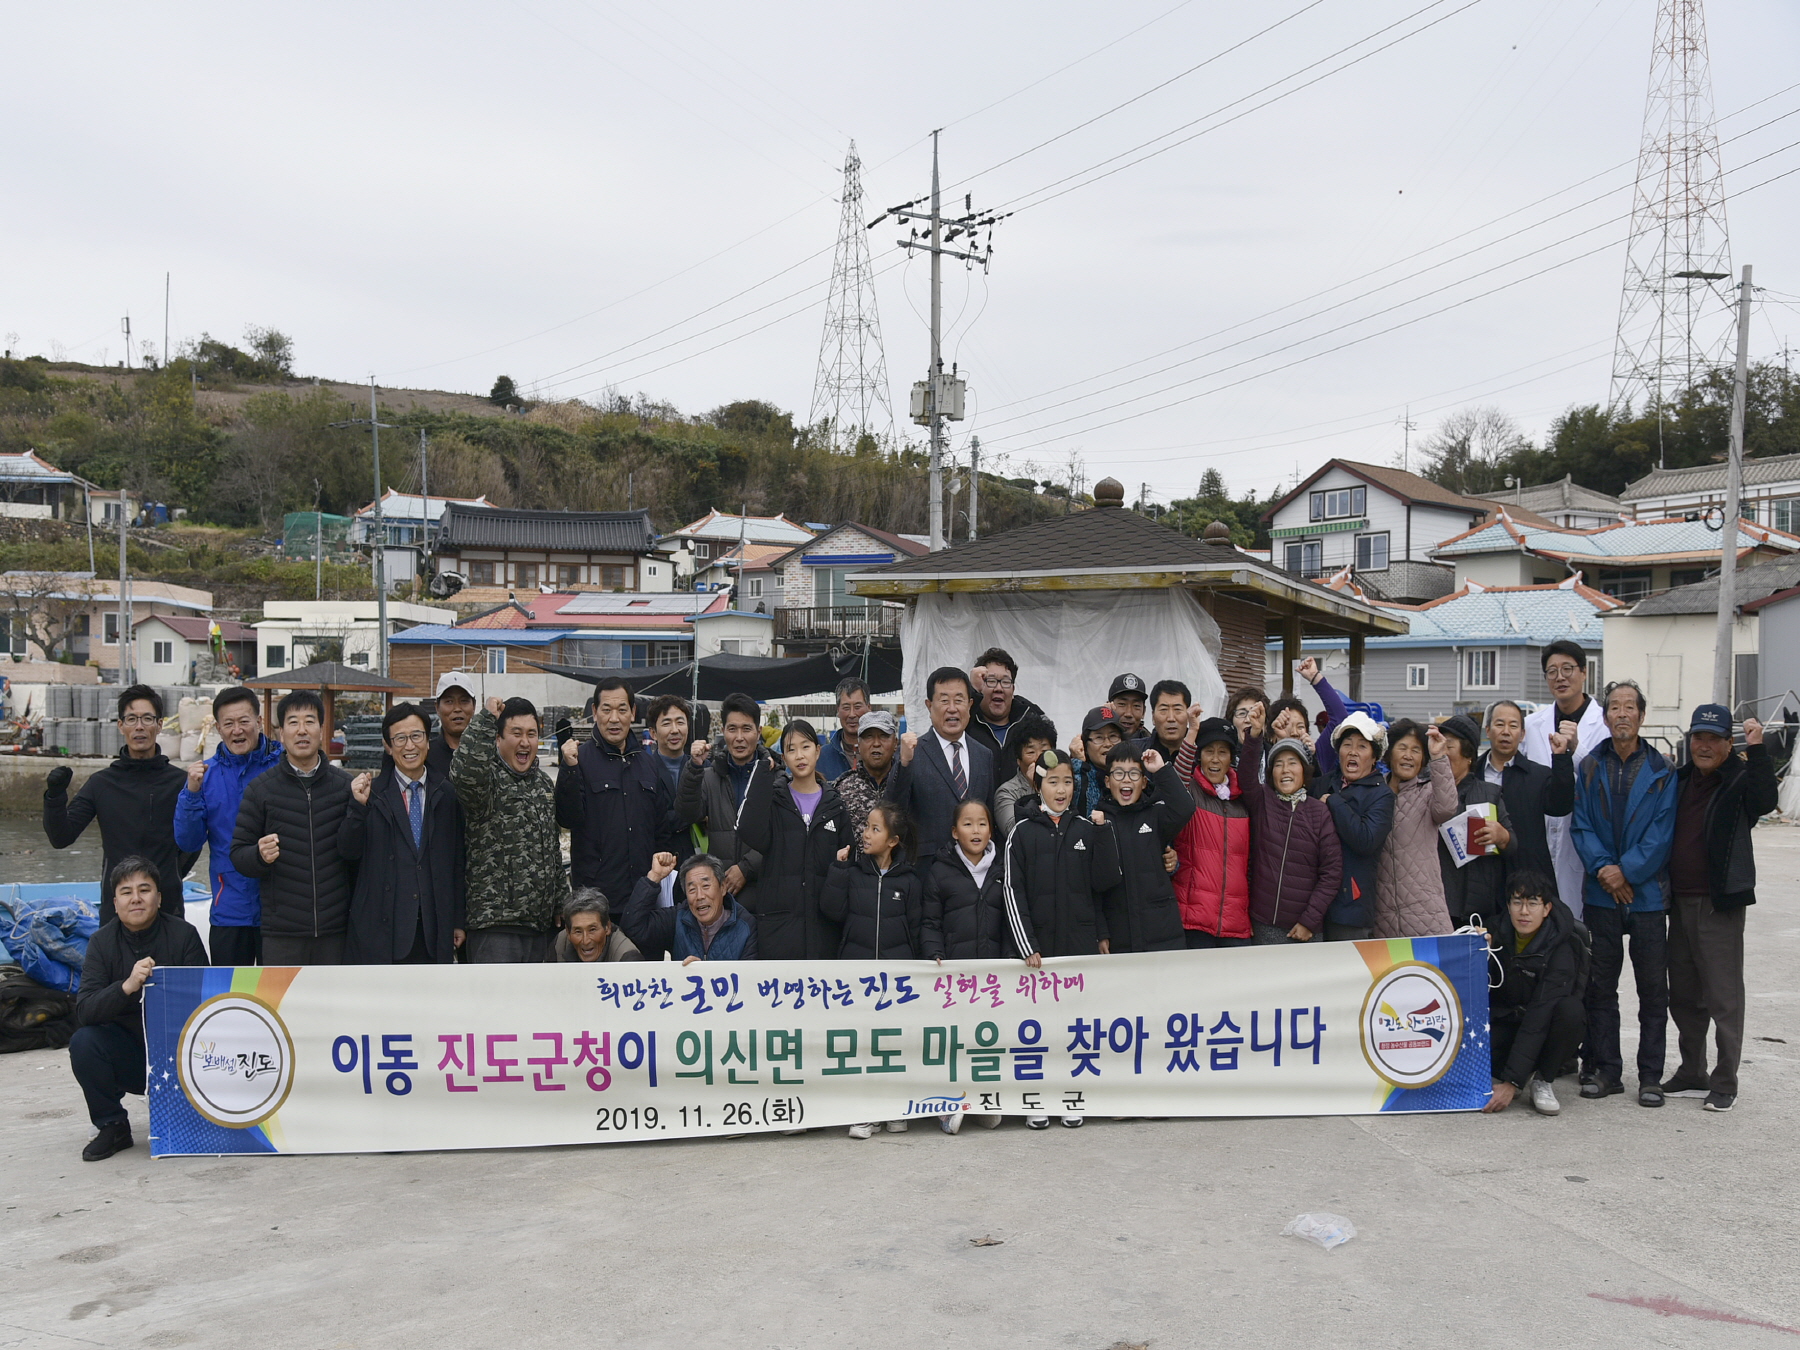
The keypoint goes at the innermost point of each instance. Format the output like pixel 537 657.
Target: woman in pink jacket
pixel 1409 884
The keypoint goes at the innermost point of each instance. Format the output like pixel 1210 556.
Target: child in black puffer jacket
pixel 965 903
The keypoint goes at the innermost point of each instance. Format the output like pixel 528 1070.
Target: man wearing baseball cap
pixel 455 709
pixel 1127 697
pixel 1712 880
pixel 877 738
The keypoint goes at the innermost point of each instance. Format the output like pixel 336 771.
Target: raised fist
pixel 196 775
pixel 1309 670
pixel 1753 731
pixel 571 752
pixel 1434 741
pixel 1153 760
pixel 268 848
pixel 700 751
pixel 494 705
pixel 908 743
pixel 660 866
pixel 359 787
pixel 59 780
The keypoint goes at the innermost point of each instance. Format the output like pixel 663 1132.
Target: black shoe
pixel 1650 1094
pixel 1570 1069
pixel 1601 1087
pixel 110 1140
pixel 1680 1086
pixel 1720 1101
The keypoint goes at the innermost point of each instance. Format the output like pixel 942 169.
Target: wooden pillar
pixel 269 704
pixel 1290 653
pixel 1356 667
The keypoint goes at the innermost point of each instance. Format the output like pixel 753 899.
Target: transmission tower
pixel 850 391
pixel 1673 327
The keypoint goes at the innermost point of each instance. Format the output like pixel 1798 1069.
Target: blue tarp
pixel 47 926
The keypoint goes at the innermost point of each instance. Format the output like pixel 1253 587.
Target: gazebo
pixel 329 678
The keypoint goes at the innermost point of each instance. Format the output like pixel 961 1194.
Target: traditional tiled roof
pixel 776 529
pixel 1529 615
pixel 1711 477
pixel 555 531
pixel 1640 542
pixel 1702 597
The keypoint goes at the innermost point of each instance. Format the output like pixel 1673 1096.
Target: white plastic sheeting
pixel 1069 645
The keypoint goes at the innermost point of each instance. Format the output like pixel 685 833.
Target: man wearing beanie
pixel 1212 882
pixel 1712 877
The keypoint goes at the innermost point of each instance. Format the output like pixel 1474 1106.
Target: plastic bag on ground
pixel 1328 1230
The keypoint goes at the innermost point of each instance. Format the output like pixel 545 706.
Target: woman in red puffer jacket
pixel 1212 881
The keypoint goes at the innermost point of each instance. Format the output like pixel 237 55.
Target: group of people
pixel 1159 827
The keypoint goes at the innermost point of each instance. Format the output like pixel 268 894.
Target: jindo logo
pixel 1412 1025
pixel 236 1060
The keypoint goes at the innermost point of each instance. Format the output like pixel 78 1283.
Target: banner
pixel 341 1059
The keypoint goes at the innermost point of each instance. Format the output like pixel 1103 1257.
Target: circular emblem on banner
pixel 236 1060
pixel 1412 1025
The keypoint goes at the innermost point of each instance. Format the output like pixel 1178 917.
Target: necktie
pixel 957 776
pixel 415 810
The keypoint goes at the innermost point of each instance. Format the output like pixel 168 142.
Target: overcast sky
pixel 600 196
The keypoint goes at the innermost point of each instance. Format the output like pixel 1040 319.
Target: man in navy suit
pixel 945 766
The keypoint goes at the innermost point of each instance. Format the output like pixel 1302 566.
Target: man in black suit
pixel 404 827
pixel 945 766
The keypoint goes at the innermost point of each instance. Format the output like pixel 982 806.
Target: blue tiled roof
pixel 1624 541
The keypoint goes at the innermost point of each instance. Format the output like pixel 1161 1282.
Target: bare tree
pixel 1467 452
pixel 49 608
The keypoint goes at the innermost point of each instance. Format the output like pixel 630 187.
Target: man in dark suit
pixel 405 828
pixel 945 766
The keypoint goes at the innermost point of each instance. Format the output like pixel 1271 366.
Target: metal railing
pixel 848 621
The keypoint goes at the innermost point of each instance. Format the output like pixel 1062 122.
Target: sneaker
pixel 988 1121
pixel 111 1139
pixel 951 1123
pixel 896 1127
pixel 1650 1094
pixel 861 1131
pixel 1720 1101
pixel 1601 1087
pixel 1073 1122
pixel 1037 1122
pixel 1543 1098
pixel 1682 1086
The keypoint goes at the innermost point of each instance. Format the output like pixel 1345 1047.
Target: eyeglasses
pixel 1125 775
pixel 1560 671
pixel 409 738
pixel 140 720
pixel 997 681
pixel 1527 902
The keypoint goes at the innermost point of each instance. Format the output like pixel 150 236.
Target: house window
pixel 162 653
pixel 1306 557
pixel 1481 669
pixel 109 628
pixel 481 574
pixel 274 657
pixel 1418 677
pixel 1372 552
pixel 525 576
pixel 1338 503
pixel 1627 586
pixel 702 550
pixel 633 654
pixel 359 658
pixel 496 662
pixel 669 654
pixel 732 647
pixel 613 577
pixel 567 575
pixel 753 588
pixel 1785 514
pixel 1687 578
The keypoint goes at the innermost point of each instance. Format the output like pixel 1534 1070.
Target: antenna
pixel 1673 327
pixel 850 392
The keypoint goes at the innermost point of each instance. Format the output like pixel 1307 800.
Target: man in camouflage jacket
pixel 517 883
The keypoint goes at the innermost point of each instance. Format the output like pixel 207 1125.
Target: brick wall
pixel 1242 633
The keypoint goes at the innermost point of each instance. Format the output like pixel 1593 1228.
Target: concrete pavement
pixel 1611 1225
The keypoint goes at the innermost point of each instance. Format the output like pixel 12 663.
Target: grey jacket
pixel 707 799
pixel 1006 802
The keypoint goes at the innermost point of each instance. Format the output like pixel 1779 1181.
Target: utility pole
pixel 125 323
pixel 126 664
pixel 1734 486
pixel 1407 427
pixel 375 424
pixel 424 508
pixel 974 485
pixel 166 276
pixel 318 545
pixel 939 397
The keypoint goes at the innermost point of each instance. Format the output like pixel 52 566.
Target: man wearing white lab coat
pixel 1565 671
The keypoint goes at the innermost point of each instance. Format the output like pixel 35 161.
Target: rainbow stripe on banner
pixel 180 1127
pixel 1464 960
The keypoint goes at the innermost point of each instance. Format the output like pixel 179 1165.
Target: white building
pixel 706 549
pixel 411 523
pixel 732 632
pixel 1381 522
pixel 1771 492
pixel 1566 504
pixel 295 633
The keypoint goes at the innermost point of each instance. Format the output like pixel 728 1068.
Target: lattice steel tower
pixel 850 391
pixel 1673 326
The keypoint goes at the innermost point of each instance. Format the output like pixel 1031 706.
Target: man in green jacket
pixel 517 883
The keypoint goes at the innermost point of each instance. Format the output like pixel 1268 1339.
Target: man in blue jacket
pixel 207 811
pixel 1625 799
pixel 711 926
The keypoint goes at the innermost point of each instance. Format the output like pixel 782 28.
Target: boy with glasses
pixel 133 798
pixel 1147 809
